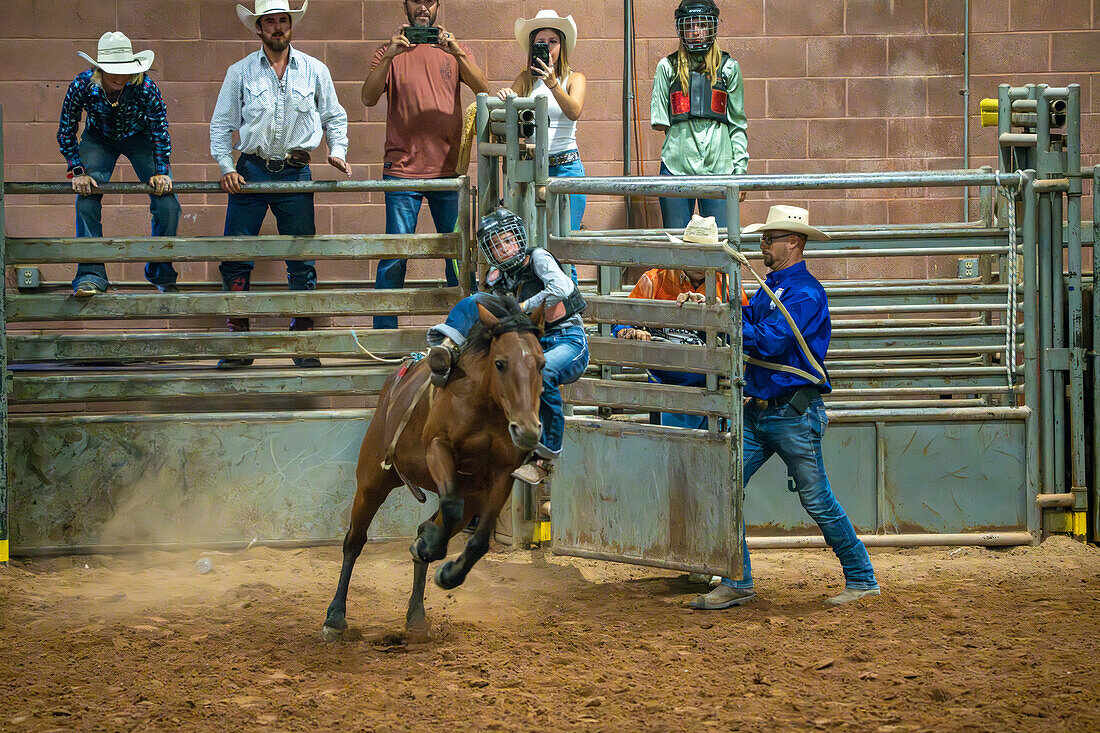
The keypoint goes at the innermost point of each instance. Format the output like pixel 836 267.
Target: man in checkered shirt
pixel 279 101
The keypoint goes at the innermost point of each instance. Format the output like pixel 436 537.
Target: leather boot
pixel 236 325
pixel 304 323
pixel 440 360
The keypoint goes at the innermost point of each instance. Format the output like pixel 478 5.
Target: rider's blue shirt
pixel 767 336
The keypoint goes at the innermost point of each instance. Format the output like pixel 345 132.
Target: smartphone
pixel 540 51
pixel 421 34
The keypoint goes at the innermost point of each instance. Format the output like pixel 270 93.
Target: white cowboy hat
pixel 268 7
pixel 700 230
pixel 116 55
pixel 546 19
pixel 788 219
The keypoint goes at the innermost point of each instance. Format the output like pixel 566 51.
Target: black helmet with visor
pixel 502 238
pixel 697 24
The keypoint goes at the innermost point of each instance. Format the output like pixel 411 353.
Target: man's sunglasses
pixel 768 238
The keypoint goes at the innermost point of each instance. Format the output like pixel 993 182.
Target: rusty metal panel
pixel 124 480
pixel 649 496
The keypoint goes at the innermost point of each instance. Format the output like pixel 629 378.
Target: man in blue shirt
pixel 783 413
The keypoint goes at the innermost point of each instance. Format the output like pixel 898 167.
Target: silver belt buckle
pixel 760 404
pixel 281 164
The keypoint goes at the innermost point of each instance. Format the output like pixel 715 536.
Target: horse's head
pixel 513 372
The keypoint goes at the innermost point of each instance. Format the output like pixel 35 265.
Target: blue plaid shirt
pixel 140 110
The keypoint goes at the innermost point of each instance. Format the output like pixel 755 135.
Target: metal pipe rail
pixel 15 188
pixel 715 187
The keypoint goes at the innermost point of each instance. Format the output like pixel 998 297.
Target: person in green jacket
pixel 698 101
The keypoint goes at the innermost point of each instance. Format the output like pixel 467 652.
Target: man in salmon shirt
pixel 683 286
pixel 422 83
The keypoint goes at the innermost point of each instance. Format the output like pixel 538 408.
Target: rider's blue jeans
pixel 797 440
pixel 402 211
pixel 99 157
pixel 676 212
pixel 566 352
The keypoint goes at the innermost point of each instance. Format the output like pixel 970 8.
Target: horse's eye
pixel 501 365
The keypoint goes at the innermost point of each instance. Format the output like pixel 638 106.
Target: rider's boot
pixel 440 360
pixel 534 471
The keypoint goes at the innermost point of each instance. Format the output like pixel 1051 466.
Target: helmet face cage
pixel 503 240
pixel 697 28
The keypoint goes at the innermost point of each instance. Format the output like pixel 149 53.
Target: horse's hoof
pixel 444 579
pixel 331 634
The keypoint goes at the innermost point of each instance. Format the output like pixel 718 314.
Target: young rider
pixel 535 278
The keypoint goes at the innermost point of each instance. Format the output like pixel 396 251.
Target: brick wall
pixel 830 85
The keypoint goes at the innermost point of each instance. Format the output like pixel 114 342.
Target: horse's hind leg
pixel 415 620
pixel 373 490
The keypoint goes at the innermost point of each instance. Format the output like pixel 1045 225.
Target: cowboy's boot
pixel 236 325
pixel 440 360
pixel 304 323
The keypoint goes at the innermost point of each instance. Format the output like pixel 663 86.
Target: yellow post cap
pixel 988 109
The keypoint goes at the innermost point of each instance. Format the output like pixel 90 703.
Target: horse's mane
pixel 512 318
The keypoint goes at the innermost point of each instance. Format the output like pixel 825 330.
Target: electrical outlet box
pixel 968 267
pixel 27 278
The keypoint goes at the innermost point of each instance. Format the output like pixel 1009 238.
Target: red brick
pixel 946 16
pixel 191 61
pixel 332 20
pixel 777 139
pixel 846 57
pixel 944 97
pixel 884 268
pixel 1018 52
pixel 598 60
pixel 603 100
pixel 925 137
pixel 348 94
pixel 88 19
pixel 158 19
pixel 475 18
pixel 503 60
pixel 1027 15
pixel 806 98
pixel 894 97
pixel 924 211
pixel 185 102
pixel 802 18
pixel 925 55
pixel 1074 51
pixel 18 100
pixel 17 60
pixel 19 19
pixel 847 137
pixel 875 17
pixel 770 57
pixel 348 60
pixel 987 16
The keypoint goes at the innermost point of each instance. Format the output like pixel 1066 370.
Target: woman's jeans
pixel 577 201
pixel 797 440
pixel 99 157
pixel 566 353
pixel 676 212
pixel 402 211
pixel 293 215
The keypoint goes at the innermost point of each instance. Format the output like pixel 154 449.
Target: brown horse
pixel 462 441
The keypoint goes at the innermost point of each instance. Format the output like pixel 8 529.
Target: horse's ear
pixel 486 317
pixel 539 316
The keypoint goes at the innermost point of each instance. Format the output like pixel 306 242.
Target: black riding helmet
pixel 692 12
pixel 502 238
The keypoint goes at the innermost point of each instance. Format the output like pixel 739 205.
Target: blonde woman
pixel 698 101
pixel 564 88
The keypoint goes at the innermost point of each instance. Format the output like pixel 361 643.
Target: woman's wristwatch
pixel 77 171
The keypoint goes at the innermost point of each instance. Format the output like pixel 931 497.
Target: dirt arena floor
pixel 963 639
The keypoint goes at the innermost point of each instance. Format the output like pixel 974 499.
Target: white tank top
pixel 563 131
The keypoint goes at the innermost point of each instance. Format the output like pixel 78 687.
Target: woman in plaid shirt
pixel 125 115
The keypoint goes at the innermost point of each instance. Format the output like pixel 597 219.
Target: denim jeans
pixel 99 157
pixel 566 352
pixel 577 202
pixel 676 212
pixel 678 419
pixel 293 215
pixel 797 440
pixel 402 210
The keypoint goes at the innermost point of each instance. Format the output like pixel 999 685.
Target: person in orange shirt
pixel 683 286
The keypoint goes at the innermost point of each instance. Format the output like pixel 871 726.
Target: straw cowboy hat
pixel 268 7
pixel 116 55
pixel 788 219
pixel 546 19
pixel 700 230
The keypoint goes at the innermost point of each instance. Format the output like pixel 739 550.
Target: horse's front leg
pixel 432 542
pixel 415 619
pixel 453 573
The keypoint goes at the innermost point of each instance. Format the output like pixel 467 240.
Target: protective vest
pixel 702 100
pixel 525 283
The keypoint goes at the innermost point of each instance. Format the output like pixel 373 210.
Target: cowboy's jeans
pixel 293 215
pixel 797 440
pixel 99 157
pixel 676 212
pixel 402 211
